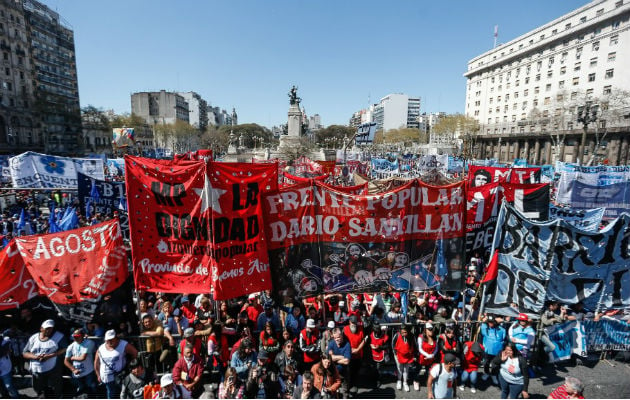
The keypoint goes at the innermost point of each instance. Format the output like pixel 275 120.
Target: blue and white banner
pixel 382 168
pixel 455 164
pixel 97 196
pixel 432 162
pixel 607 334
pixel 539 261
pixel 588 219
pixel 614 197
pixel 595 176
pixel 569 338
pixel 520 163
pixel 115 167
pixel 34 170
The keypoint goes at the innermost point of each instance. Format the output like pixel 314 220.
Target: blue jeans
pixel 113 390
pixel 509 390
pixel 7 381
pixel 85 384
pixel 466 375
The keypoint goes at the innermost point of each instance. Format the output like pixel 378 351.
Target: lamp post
pixel 586 115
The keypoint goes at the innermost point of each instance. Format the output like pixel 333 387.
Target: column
pixel 623 155
pixel 526 151
pixel 536 151
pixel 548 151
pixel 516 149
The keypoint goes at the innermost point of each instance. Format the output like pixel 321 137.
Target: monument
pixel 294 122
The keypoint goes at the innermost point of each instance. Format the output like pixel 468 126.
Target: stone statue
pixel 293 98
pixel 232 139
pixel 241 140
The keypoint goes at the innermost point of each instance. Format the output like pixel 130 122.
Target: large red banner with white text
pixel 480 175
pixel 16 284
pixel 75 268
pixel 169 223
pixel 240 263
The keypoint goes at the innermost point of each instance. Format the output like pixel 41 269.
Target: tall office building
pixel 160 107
pixel 394 111
pixel 198 110
pixel 527 93
pixel 39 97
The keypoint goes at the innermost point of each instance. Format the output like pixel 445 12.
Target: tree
pixel 333 135
pixel 302 148
pixel 254 135
pixel 215 139
pixel 181 137
pixel 455 123
pixel 95 118
pixel 404 135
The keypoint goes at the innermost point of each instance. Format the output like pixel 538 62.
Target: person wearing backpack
pixel 442 381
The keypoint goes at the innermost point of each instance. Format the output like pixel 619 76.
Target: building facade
pixel 198 110
pixel 426 121
pixel 160 107
pixel 394 111
pixel 39 96
pixel 527 94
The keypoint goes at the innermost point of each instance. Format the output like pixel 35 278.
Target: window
pixel 538 65
pixel 514 118
pixel 527 80
pixel 537 77
pixel 612 56
pixel 563 57
pixel 561 85
pixel 549 74
pixel 516 95
pixel 500 88
pixel 576 81
pixel 547 101
pixel 548 87
pixel 524 106
pixel 580 38
pixel 615 25
pixel 542 37
pixel 589 92
pixel 498 99
pixel 596 46
pixel 555 31
pixel 599 12
pixel 607 89
pixel 514 106
pixel 7 71
pixel 491 100
pixel 563 70
pixel 582 20
pixel 551 60
pixel 614 39
pixel 591 77
pixel 567 26
pixel 619 4
pixel 528 69
pixel 573 95
pixel 559 97
pixel 21 74
pixel 492 80
pixel 593 62
pixel 6 56
pixel 596 32
pixel 537 90
pixel 577 66
pixel 526 92
pixel 535 102
pixel 507 97
pixel 609 73
pixel 517 83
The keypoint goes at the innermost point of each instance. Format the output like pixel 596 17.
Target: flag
pixel 94 194
pixel 442 270
pixel 88 214
pixel 493 269
pixel 69 221
pixel 122 206
pixel 22 221
pixel 52 221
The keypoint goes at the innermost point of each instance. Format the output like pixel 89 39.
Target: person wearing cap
pixel 326 336
pixel 269 314
pixel 188 309
pixel 494 336
pixel 308 342
pixel 187 373
pixel 168 389
pixel 262 381
pixel 473 356
pixel 80 361
pixel 442 381
pixel 42 352
pixel 134 383
pixel 190 338
pixel 572 388
pixel 428 349
pixel 404 355
pixel 110 362
pixel 253 308
pixel 378 345
pixel 294 322
pixel 341 315
pixel 172 321
pixel 522 334
pixel 513 373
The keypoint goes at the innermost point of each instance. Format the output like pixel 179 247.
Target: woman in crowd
pixel 513 375
pixel 404 354
pixel 326 377
pixel 269 341
pixel 231 387
pixel 428 349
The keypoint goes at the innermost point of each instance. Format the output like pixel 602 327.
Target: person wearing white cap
pixel 167 389
pixel 308 344
pixel 42 351
pixel 110 361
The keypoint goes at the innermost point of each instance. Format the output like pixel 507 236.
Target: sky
pixel 248 54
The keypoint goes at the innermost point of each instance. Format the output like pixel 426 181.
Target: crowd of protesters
pixel 189 346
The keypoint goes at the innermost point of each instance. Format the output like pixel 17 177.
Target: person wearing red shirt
pixel 378 344
pixel 571 389
pixel 269 342
pixel 189 310
pixel 190 338
pixel 187 373
pixel 309 340
pixel 428 349
pixel 448 343
pixel 404 353
pixel 253 309
pixel 357 340
pixel 473 356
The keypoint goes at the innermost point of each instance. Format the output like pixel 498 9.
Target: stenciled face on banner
pixel 326 241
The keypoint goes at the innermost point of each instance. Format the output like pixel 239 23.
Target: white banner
pixel 595 176
pixel 34 170
pixel 568 338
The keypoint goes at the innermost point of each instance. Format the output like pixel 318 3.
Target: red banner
pixel 241 264
pixel 76 266
pixel 16 284
pixel 532 200
pixel 169 224
pixel 324 240
pixel 484 203
pixel 328 167
pixel 479 175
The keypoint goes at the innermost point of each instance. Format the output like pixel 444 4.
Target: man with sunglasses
pixel 286 356
pixel 80 361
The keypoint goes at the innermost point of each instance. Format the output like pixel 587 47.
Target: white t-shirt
pixel 443 384
pixel 38 347
pixel 112 361
pixel 75 349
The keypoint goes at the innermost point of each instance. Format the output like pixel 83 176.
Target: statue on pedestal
pixel 293 98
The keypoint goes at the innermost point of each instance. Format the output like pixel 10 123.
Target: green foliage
pixel 332 136
pixel 454 123
pixel 403 135
pixel 263 136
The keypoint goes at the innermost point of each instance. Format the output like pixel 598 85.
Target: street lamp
pixel 586 115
